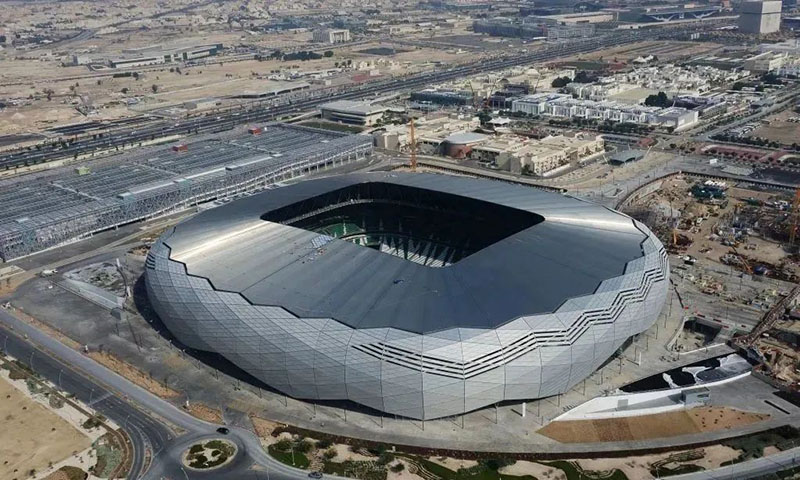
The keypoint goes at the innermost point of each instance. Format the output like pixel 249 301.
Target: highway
pixel 150 421
pixel 759 467
pixel 151 129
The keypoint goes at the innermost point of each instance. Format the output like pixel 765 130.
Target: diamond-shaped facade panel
pixel 421 337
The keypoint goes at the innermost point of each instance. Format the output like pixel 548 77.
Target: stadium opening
pixel 432 228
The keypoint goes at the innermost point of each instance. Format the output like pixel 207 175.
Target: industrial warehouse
pixel 70 203
pixel 419 295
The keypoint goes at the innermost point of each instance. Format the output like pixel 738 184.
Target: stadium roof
pixel 535 270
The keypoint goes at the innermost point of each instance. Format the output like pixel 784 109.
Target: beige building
pixel 537 157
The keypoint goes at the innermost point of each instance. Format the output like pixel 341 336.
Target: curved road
pixel 141 414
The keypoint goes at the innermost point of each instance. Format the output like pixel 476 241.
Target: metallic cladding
pixel 526 317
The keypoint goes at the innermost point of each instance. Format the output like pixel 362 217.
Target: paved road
pixel 150 130
pixel 754 468
pixel 149 420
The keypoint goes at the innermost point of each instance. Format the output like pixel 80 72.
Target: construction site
pixel 737 268
pixel 60 205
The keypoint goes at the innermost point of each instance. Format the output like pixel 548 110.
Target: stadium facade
pixel 414 294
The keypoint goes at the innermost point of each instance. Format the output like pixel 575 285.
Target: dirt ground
pixel 133 374
pixel 157 87
pixel 638 468
pixel 262 426
pixel 643 427
pixel 204 412
pixel 663 50
pixel 32 437
pixel 673 194
pixel 778 128
pixel 453 463
pixel 523 467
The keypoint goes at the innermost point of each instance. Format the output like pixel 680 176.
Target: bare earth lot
pixel 643 427
pixel 32 436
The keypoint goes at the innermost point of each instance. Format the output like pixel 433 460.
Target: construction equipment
pixel 413 145
pixel 743 259
pixel 794 214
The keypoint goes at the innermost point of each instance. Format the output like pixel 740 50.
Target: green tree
pixel 584 77
pixel 328 53
pixel 660 100
pixel 560 82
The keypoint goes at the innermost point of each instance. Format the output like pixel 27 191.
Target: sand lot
pixel 777 127
pixel 32 436
pixel 670 424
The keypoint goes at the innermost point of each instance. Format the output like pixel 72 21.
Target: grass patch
pixel 675 464
pixel 360 470
pixel 574 472
pixel 94 421
pixel 677 470
pixel 485 470
pixel 108 457
pixel 300 460
pixel 201 458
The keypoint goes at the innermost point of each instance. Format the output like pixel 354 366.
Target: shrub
pixel 397 467
pixel 377 450
pixel 496 464
pixel 304 446
pixel 329 454
pixel 385 458
pixel 323 444
pixel 283 445
pixel 196 448
pixel 199 461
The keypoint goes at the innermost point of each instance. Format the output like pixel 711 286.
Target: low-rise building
pixel 443 96
pixel 765 62
pixel 354 113
pixel 565 106
pixel 156 55
pixel 536 157
pixel 122 62
pixel 329 35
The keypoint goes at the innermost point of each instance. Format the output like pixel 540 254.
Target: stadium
pixel 419 295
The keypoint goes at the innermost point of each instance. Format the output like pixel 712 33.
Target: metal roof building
pixel 415 294
pixel 63 205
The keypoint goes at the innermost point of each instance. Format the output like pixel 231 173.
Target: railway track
pixel 151 129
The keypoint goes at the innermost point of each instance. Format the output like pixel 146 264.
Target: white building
pixel 354 113
pixel 136 61
pixel 327 35
pixel 765 62
pixel 760 17
pixel 564 106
